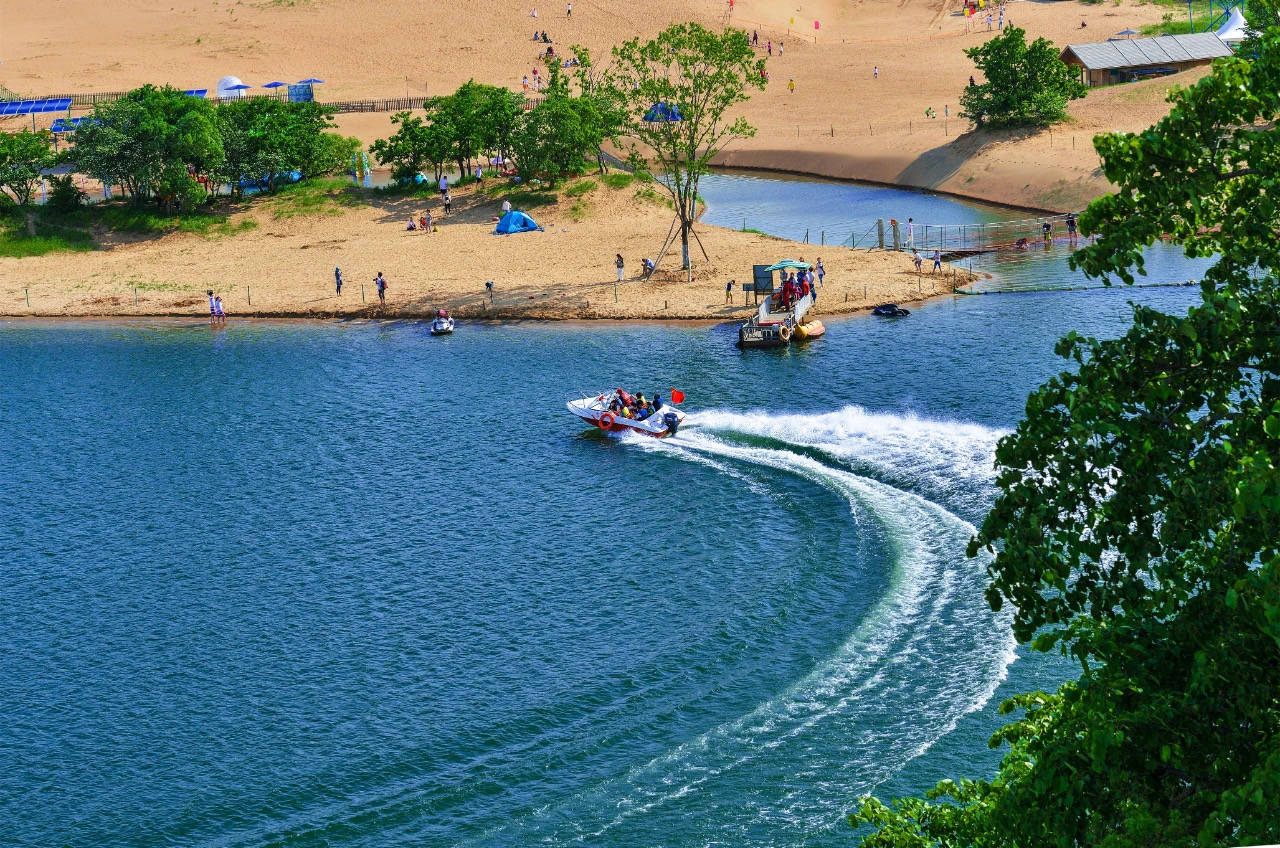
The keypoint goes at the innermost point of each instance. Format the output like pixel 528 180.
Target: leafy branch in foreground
pixel 1137 528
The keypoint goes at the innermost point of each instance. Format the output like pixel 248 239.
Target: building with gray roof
pixel 1124 60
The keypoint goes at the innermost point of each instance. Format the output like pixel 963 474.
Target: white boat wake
pixel 928 652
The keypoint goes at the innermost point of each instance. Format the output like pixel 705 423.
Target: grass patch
pixel 579 211
pixel 530 199
pixel 618 180
pixel 131 219
pixel 754 230
pixel 649 194
pixel 581 187
pixel 328 196
pixel 50 237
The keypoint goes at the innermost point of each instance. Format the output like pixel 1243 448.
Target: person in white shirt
pixel 506 206
pixel 444 184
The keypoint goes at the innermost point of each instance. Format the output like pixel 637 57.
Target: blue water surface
pixel 346 584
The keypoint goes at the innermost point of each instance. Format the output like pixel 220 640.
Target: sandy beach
pixel 284 266
pixel 842 121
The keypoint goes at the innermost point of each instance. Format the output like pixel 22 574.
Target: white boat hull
pixel 593 411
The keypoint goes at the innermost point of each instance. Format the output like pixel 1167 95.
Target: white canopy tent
pixel 1233 31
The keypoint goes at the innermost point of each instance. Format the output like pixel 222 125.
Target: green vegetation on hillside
pixel 1026 85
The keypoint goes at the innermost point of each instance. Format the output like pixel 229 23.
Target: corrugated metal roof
pixel 1142 52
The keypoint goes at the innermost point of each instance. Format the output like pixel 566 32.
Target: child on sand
pixel 916 258
pixel 619 264
pixel 381 283
pixel 337 279
pixel 217 304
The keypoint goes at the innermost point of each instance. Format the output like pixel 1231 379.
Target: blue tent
pixel 515 221
pixel 663 113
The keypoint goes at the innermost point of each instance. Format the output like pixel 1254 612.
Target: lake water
pixel 346 584
pixel 796 208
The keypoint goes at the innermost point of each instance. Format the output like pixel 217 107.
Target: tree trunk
pixel 684 245
pixel 31 224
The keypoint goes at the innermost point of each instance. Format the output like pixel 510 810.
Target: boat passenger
pixel 657 402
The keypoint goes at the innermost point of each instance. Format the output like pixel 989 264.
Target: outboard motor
pixel 672 421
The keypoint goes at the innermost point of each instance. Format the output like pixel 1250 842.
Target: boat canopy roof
pixel 787 264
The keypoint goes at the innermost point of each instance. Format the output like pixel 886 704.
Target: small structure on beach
pixel 1130 59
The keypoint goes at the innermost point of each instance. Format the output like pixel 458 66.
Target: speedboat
pixel 890 310
pixel 443 324
pixel 604 411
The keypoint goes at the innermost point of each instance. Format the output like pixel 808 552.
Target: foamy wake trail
pixel 947 462
pixel 927 653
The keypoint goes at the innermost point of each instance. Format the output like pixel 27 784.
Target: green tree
pixel 1137 528
pixel 704 75
pixel 147 139
pixel 551 141
pixel 413 147
pixel 267 139
pixel 23 155
pixel 601 113
pixel 1027 85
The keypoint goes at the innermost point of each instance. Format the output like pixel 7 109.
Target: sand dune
pixel 840 121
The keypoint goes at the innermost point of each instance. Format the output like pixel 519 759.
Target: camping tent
pixel 662 113
pixel 515 221
pixel 1233 31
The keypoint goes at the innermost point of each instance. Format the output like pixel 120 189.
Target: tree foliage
pixel 1027 85
pixel 150 141
pixel 23 155
pixel 705 75
pixel 266 139
pixel 1137 527
pixel 554 138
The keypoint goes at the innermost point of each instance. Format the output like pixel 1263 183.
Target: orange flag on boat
pixel 677 396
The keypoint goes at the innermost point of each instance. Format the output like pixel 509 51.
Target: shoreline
pixel 283 265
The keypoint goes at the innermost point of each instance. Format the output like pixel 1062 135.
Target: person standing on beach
pixel 506 206
pixel 875 72
pixel 728 292
pixel 769 47
pixel 444 185
pixel 219 315
pixel 448 201
pixel 427 222
pixel 337 280
pixel 911 232
pixel 619 264
pixel 380 282
pixel 937 261
pixel 1071 226
pixel 917 259
pixel 791 85
pixel 568 10
pixel 822 272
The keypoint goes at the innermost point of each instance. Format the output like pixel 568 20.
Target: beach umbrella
pixel 274 84
pixel 311 81
pixel 1127 32
pixel 238 87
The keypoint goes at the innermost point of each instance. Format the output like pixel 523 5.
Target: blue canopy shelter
pixel 662 113
pixel 515 221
